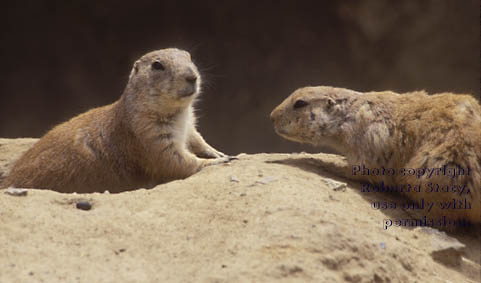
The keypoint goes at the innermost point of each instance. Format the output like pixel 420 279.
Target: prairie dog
pixel 399 131
pixel 145 138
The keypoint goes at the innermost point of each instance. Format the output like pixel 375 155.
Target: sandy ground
pixel 262 218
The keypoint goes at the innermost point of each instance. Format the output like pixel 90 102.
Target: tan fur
pixel 390 130
pixel 145 138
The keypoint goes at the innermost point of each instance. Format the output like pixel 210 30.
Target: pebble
pixel 83 205
pixel 335 185
pixel 442 247
pixel 16 191
pixel 267 180
pixel 234 179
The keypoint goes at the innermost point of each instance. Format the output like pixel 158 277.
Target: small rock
pixel 267 180
pixel 83 205
pixel 16 191
pixel 443 248
pixel 449 253
pixel 234 179
pixel 335 185
pixel 106 192
pixel 119 251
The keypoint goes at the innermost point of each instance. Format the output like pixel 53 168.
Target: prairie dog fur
pixel 390 130
pixel 145 138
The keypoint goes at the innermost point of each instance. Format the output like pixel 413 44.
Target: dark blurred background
pixel 61 58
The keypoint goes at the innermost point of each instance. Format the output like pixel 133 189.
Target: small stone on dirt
pixel 443 248
pixel 267 180
pixel 83 205
pixel 16 192
pixel 335 185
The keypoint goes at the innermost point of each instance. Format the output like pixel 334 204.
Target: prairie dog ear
pixel 333 105
pixel 135 69
pixel 330 103
pixel 136 66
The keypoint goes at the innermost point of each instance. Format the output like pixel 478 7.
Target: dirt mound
pixel 262 218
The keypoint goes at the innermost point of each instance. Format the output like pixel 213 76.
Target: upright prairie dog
pixel 145 138
pixel 399 131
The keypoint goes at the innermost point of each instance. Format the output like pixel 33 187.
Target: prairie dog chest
pixel 182 125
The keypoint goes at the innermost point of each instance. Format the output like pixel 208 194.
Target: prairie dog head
pixel 313 115
pixel 166 78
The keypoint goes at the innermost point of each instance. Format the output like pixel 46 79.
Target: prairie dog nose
pixel 274 115
pixel 190 76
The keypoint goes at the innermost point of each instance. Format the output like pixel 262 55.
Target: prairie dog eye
pixel 300 103
pixel 158 66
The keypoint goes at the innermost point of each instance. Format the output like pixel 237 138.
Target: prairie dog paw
pixel 212 153
pixel 220 160
pixel 220 154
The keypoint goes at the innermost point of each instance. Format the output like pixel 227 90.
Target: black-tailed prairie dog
pixel 431 142
pixel 145 138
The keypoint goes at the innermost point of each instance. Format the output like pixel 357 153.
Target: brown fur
pixel 145 138
pixel 390 130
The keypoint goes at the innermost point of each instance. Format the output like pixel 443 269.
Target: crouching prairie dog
pixel 145 138
pixel 431 142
